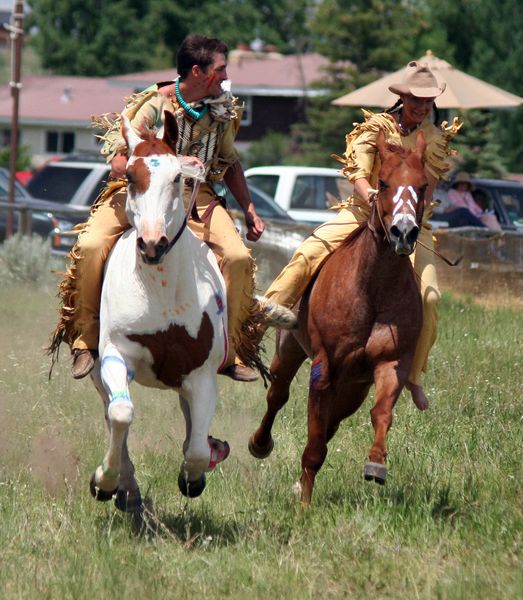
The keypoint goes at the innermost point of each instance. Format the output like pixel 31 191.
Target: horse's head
pixel 400 200
pixel 155 188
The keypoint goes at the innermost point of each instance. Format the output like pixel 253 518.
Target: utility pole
pixel 16 33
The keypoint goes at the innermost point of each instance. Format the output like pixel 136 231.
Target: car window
pixel 57 184
pixel 319 192
pixel 265 183
pixel 20 193
pixel 512 199
pixel 265 206
pixel 98 188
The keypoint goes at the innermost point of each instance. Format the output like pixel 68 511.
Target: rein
pixel 191 210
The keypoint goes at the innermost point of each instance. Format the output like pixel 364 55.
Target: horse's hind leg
pixel 285 364
pixel 116 473
pixel 388 388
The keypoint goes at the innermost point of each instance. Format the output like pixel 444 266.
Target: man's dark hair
pixel 198 50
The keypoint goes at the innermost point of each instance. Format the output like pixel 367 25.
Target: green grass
pixel 448 524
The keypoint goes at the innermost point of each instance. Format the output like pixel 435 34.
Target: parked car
pixel 67 188
pixel 305 193
pixel 503 197
pixel 42 222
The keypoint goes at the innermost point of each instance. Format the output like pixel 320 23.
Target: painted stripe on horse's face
pixel 402 205
pixel 404 228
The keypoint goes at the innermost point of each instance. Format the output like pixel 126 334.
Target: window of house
pixel 246 101
pixel 5 138
pixel 60 141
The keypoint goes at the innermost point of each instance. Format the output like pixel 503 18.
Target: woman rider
pixel 410 114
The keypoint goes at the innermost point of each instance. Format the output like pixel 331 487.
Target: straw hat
pixel 418 81
pixel 462 177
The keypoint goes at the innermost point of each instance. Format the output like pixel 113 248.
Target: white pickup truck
pixel 306 193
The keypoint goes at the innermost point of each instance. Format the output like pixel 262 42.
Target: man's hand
pixel 255 225
pixel 194 161
pixel 119 166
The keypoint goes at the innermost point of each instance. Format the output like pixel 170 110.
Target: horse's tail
pixel 275 315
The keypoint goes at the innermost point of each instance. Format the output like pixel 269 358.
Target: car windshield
pixel 512 198
pixel 56 183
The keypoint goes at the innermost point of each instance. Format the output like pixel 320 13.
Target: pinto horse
pixel 163 318
pixel 359 322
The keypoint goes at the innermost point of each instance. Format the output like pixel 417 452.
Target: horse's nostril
pixel 395 232
pixel 412 235
pixel 141 244
pixel 163 242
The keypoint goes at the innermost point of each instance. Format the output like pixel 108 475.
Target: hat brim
pixel 431 92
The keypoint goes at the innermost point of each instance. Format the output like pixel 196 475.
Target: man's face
pixel 215 75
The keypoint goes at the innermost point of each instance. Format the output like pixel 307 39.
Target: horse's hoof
pixel 376 472
pixel 99 494
pixel 259 451
pixel 191 489
pixel 129 502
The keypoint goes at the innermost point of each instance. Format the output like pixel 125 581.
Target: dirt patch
pixel 53 461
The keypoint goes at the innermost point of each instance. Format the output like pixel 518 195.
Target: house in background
pixel 55 111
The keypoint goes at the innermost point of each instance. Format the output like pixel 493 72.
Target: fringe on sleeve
pixel 438 149
pixel 359 154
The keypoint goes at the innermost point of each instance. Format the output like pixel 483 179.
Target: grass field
pixel 448 524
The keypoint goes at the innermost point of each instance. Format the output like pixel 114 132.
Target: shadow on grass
pixel 408 499
pixel 191 529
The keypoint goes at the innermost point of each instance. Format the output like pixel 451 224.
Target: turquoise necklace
pixel 188 109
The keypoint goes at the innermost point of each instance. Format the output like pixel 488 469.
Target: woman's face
pixel 415 109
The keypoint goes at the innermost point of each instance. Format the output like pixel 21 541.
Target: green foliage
pixel 23 158
pixel 485 39
pixel 25 258
pixel 93 37
pixel 479 152
pixel 269 150
pixel 99 38
pixel 373 34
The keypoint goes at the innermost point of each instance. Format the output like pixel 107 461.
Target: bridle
pixel 191 211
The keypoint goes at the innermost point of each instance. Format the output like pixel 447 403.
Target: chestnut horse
pixel 359 322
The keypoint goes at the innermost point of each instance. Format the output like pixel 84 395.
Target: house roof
pixel 253 73
pixel 70 101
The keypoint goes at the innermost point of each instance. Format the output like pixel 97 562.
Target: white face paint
pixel 404 208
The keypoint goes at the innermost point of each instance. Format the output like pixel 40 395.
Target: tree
pixel 479 153
pixel 485 39
pixel 92 37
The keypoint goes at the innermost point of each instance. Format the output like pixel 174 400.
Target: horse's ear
pixel 131 137
pixel 421 145
pixel 170 130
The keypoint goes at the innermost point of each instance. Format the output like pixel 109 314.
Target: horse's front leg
pixel 288 359
pixel 201 451
pixel 319 433
pixel 116 473
pixel 389 383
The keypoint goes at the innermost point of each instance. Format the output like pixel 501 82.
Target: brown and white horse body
pixel 163 318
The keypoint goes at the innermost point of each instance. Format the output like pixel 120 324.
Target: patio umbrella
pixel 462 92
